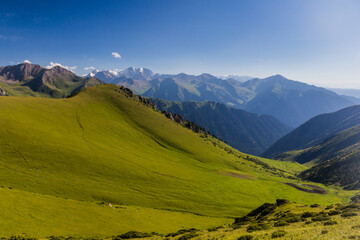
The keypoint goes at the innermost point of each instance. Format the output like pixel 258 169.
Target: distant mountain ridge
pixel 32 79
pixel 316 130
pixel 235 77
pixel 248 132
pixel 346 91
pixel 336 158
pixel 289 101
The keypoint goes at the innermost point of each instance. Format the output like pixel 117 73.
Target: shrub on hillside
pixel 21 238
pixel 330 222
pixel 188 236
pixel 132 234
pixel 293 218
pixel 320 217
pixel 257 227
pixel 280 202
pixel 281 224
pixel 329 207
pixel 213 229
pixel 356 227
pixel 181 231
pixel 242 220
pixel 279 233
pixel 307 214
pixel 263 210
pixel 348 214
pixel 334 212
pixel 246 237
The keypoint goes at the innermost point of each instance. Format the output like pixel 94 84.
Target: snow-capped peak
pixel 131 72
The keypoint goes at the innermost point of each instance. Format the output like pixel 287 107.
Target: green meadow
pixel 63 160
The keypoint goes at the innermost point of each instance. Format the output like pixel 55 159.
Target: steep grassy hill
pixel 248 132
pixel 60 158
pixel 33 80
pixel 316 130
pixel 337 160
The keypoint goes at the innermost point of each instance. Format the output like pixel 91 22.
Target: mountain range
pixel 34 80
pixel 103 154
pixel 248 132
pixel 316 130
pixel 104 161
pixel 336 160
pixel 290 101
pixel 329 144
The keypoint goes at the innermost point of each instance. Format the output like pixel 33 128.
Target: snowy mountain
pixel 111 76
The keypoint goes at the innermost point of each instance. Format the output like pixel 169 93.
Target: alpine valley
pixel 86 157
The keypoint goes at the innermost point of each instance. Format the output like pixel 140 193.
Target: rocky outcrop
pixel 20 72
pixel 180 120
pixel 3 92
pixel 55 82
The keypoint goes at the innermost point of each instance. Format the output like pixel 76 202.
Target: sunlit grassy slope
pixel 289 221
pixel 101 145
pixel 37 215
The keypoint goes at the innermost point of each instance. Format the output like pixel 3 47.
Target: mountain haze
pixel 290 101
pixel 248 132
pixel 316 130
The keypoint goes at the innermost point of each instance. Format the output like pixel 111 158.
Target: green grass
pixel 103 146
pixel 37 215
pixel 337 228
pixel 16 89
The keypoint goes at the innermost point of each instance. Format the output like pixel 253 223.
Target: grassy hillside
pixel 248 132
pixel 337 160
pixel 102 145
pixel 284 221
pixel 38 215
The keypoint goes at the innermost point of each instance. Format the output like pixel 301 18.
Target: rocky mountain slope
pixel 30 79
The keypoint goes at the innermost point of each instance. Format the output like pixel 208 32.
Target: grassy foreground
pixel 62 157
pixel 290 221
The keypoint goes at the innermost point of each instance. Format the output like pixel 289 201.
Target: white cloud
pixel 52 64
pixel 116 55
pixel 26 61
pixel 89 68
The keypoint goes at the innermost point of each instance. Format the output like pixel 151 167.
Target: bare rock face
pixel 180 120
pixel 55 82
pixel 3 92
pixel 20 72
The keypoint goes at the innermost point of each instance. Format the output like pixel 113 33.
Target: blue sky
pixel 314 41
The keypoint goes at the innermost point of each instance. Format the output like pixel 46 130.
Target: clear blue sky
pixel 315 41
